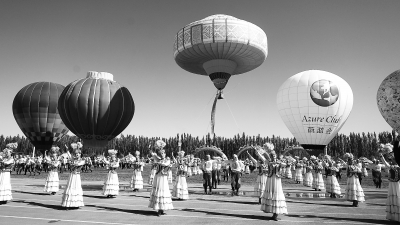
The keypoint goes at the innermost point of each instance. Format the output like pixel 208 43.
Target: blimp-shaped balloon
pixel 96 108
pixel 388 97
pixel 314 105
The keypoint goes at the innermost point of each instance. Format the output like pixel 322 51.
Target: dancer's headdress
pixel 386 148
pixel 12 146
pixel 160 144
pixel 75 147
pixel 348 156
pixel 112 152
pixel 55 150
pixel 269 146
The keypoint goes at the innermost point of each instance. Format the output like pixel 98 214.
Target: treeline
pixel 364 144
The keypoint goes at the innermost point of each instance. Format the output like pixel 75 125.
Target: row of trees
pixel 364 144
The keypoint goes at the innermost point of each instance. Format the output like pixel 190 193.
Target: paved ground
pixel 31 206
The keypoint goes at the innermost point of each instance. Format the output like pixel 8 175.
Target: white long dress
pixel 261 181
pixel 332 184
pixel 160 195
pixel 52 181
pixel 180 189
pixel 393 196
pixel 5 180
pixel 354 191
pixel 137 179
pixel 111 185
pixel 273 199
pixel 73 193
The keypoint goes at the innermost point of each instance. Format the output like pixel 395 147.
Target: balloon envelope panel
pixel 36 113
pixel 314 105
pixel 96 110
pixel 387 98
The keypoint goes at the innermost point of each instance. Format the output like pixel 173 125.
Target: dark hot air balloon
pixel 35 110
pixel 96 108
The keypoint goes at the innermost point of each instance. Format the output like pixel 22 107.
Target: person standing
pixel 354 191
pixel 332 185
pixel 376 168
pixel 318 183
pixel 298 176
pixel 180 189
pixel 137 179
pixel 214 173
pixel 262 176
pixel 52 184
pixel 73 194
pixel 111 185
pixel 308 177
pixel 393 199
pixel 237 168
pixel 160 195
pixel 207 171
pixel 6 163
pixel 153 161
pixel 273 199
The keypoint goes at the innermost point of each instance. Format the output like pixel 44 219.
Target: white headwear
pixel 160 144
pixel 112 152
pixel 269 146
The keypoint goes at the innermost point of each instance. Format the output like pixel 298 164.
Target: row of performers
pixel 268 186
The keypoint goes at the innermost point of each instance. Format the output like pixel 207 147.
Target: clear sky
pixel 59 41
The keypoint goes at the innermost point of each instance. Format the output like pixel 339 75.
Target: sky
pixel 59 41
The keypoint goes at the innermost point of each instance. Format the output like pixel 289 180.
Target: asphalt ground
pixel 30 205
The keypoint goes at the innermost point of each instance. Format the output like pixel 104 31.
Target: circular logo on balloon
pixel 324 93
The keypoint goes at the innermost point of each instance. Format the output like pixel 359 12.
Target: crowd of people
pixel 270 168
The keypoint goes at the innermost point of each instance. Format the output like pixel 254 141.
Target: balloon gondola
pixel 220 46
pixel 96 109
pixel 36 113
pixel 314 105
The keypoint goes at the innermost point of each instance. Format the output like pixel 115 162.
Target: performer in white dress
pixel 393 196
pixel 137 179
pixel 180 189
pixel 6 163
pixel 52 184
pixel 308 177
pixel 273 199
pixel 354 191
pixel 111 185
pixel 262 176
pixel 332 185
pixel 160 195
pixel 318 180
pixel 73 194
pixel 298 176
pixel 153 161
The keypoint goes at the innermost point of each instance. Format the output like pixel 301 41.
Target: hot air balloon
pixel 35 110
pixel 220 46
pixel 388 100
pixel 96 109
pixel 314 105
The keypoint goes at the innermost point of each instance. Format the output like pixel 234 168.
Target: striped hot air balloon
pixel 35 110
pixel 96 108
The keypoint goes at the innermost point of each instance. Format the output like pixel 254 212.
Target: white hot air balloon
pixel 220 46
pixel 314 105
